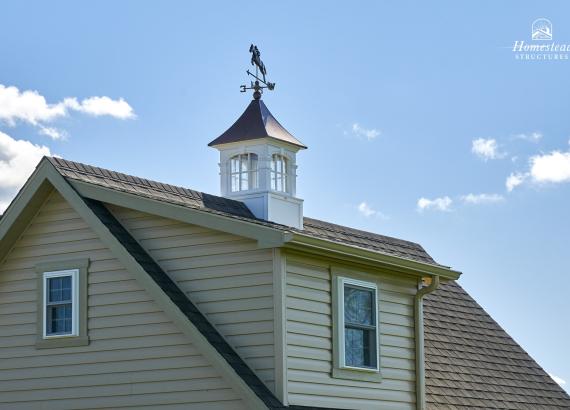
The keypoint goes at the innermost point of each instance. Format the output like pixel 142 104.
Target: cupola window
pixel 279 173
pixel 243 172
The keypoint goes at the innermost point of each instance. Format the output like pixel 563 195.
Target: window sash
pixel 369 331
pixel 243 172
pixel 51 306
pixel 279 173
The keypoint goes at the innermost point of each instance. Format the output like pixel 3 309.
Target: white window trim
pixel 341 336
pixel 74 273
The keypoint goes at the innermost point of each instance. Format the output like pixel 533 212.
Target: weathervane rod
pixel 259 68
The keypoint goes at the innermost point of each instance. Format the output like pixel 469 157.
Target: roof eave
pixel 294 146
pixel 350 253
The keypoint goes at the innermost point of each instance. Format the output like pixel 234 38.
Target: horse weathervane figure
pixel 259 69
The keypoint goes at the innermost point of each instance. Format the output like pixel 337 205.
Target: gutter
pixel 419 337
pixel 318 246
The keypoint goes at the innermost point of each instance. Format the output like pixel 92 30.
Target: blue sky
pixel 397 101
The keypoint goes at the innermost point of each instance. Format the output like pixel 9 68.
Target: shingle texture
pixel 368 240
pixel 472 363
pixel 150 189
pixel 234 209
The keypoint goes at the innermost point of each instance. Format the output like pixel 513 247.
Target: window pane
pixel 235 182
pixel 359 348
pixel 234 164
pixel 253 171
pixel 59 289
pixel 243 163
pixel 59 319
pixel 359 305
pixel 244 182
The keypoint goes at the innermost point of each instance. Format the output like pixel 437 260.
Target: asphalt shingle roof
pixel 234 209
pixel 471 362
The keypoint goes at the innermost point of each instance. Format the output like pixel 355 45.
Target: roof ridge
pixel 361 233
pixel 190 198
pixel 64 163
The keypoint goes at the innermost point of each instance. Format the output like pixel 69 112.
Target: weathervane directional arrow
pixel 256 85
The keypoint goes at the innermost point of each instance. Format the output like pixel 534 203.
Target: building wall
pixel 136 356
pixel 226 276
pixel 309 342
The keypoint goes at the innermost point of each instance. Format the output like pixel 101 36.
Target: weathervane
pixel 259 70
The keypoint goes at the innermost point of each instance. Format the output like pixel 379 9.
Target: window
pixel 360 324
pixel 243 172
pixel 60 303
pixel 355 322
pixel 279 173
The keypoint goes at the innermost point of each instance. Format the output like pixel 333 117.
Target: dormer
pixel 258 166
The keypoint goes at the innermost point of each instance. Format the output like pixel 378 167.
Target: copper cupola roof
pixel 256 122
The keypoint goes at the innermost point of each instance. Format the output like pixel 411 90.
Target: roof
pixel 256 122
pixel 471 362
pixel 235 209
pixel 368 240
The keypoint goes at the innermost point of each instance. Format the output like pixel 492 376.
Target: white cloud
pixel 559 380
pixel 437 204
pixel 368 133
pixel 532 137
pixel 365 209
pixel 514 180
pixel 486 148
pixel 553 167
pixel 31 107
pixel 28 106
pixel 99 106
pixel 481 199
pixel 18 159
pixel 53 133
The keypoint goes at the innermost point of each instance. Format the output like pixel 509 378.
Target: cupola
pixel 258 165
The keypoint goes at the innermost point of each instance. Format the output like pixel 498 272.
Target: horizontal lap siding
pixel 309 343
pixel 228 278
pixel 136 356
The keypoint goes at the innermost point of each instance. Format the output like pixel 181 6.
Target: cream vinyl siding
pixel 310 338
pixel 136 356
pixel 227 276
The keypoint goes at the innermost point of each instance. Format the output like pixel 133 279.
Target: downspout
pixel 419 333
